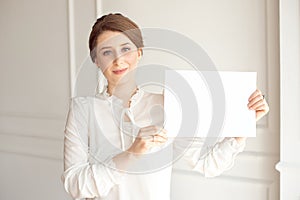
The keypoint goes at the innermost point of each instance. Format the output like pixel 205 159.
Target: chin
pixel 125 79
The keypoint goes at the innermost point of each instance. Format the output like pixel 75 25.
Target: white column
pixel 289 165
pixel 99 10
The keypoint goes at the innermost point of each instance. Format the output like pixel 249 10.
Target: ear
pixel 140 53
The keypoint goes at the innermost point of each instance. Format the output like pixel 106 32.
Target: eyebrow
pixel 108 47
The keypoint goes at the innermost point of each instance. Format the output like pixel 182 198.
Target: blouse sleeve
pixel 82 179
pixel 216 159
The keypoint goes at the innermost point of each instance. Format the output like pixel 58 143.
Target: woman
pixel 109 139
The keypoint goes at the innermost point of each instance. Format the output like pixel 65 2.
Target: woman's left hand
pixel 258 103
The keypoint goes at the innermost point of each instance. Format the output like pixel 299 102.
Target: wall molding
pixel 241 164
pixel 264 182
pixel 266 124
pixel 32 126
pixel 98 10
pixel 72 54
pixel 32 155
pixel 39 147
pixel 34 136
pixel 269 185
pixel 45 116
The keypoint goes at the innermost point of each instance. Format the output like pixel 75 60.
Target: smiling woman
pixel 113 148
pixel 115 56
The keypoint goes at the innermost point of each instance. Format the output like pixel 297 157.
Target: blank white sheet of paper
pixel 238 121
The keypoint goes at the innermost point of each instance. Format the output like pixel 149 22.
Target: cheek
pixel 132 58
pixel 104 63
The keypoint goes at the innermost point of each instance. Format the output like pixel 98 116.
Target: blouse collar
pixel 134 99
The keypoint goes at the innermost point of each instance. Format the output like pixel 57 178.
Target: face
pixel 116 55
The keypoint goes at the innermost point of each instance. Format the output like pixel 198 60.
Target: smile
pixel 121 71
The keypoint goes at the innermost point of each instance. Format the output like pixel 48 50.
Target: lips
pixel 120 71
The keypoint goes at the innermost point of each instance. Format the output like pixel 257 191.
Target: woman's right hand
pixel 148 137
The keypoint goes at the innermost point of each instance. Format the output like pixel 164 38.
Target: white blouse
pixel 95 132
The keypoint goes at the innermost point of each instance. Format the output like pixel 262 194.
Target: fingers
pixel 254 104
pixel 261 107
pixel 256 100
pixel 147 138
pixel 153 134
pixel 157 139
pixel 258 103
pixel 160 137
pixel 255 94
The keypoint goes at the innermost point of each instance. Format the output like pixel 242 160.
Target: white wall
pixel 44 44
pixel 34 76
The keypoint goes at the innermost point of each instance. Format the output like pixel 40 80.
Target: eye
pixel 126 49
pixel 107 52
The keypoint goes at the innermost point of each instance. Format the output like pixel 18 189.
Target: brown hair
pixel 114 22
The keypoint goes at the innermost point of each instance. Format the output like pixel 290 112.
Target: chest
pixel 109 125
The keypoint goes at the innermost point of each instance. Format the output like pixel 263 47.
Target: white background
pixel 43 44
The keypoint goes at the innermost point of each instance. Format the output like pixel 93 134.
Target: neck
pixel 123 91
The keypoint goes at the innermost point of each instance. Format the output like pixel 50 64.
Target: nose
pixel 119 58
